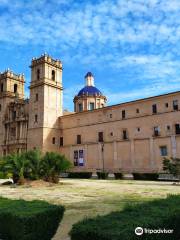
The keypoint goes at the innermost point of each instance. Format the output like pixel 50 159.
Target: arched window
pixel 53 75
pixel 38 74
pixel 15 88
pixel 2 87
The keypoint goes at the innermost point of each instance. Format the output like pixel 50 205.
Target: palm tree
pixel 34 158
pixel 52 165
pixel 17 164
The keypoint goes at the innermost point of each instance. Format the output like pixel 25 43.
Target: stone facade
pixel 128 137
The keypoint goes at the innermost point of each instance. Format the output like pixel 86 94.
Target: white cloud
pixel 119 34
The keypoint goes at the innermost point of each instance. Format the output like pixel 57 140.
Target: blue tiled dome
pixel 90 90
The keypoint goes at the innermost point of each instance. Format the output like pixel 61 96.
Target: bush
pixel 52 165
pixel 157 214
pixel 146 176
pixel 33 165
pixel 102 175
pixel 118 175
pixel 84 175
pixel 23 220
pixel 172 166
pixel 2 175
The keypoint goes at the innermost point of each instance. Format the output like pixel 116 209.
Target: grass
pixel 88 197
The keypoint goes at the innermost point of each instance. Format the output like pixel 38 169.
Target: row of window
pixel 90 107
pixel 154 109
pixel 61 141
pixel 53 74
pixel 124 134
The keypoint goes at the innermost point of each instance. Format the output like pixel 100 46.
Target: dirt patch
pixel 36 184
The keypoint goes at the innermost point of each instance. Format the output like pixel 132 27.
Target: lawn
pixel 87 198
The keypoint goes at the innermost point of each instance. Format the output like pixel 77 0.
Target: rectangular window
pixel 80 107
pixel 168 127
pixel 123 114
pixel 166 105
pixel 137 110
pixel 53 140
pixel 91 106
pixel 154 108
pixel 177 128
pixel 13 115
pixel 125 134
pixel 163 151
pixel 156 131
pixel 100 137
pixel 78 139
pixel 61 141
pixel 81 158
pixel 138 129
pixel 175 105
pixel 37 97
pixel 36 118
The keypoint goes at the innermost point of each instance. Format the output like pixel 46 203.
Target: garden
pixel 42 207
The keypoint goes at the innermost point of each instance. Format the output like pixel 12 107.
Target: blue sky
pixel 131 46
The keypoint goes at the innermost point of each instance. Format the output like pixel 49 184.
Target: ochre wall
pixel 141 151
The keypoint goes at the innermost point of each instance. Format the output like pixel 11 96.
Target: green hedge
pixel 28 220
pixel 146 176
pixel 102 175
pixel 161 213
pixel 80 175
pixel 118 175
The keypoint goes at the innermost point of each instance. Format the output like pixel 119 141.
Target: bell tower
pixel 45 104
pixel 11 89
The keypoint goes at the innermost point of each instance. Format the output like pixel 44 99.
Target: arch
pixel 38 74
pixel 53 75
pixel 2 87
pixel 15 88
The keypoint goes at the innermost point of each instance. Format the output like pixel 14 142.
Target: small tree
pixel 52 165
pixel 172 166
pixel 16 164
pixel 34 159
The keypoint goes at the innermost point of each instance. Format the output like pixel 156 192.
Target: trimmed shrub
pixel 157 214
pixel 28 220
pixel 118 175
pixel 84 175
pixel 102 175
pixel 146 176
